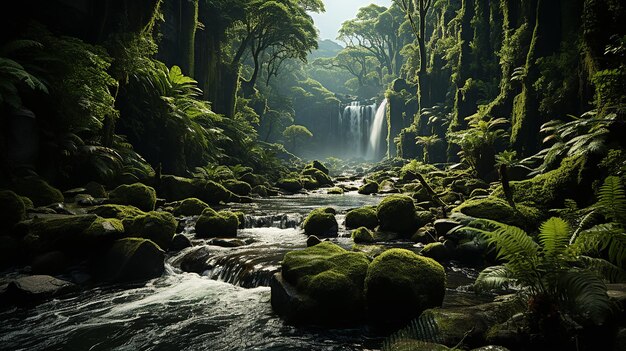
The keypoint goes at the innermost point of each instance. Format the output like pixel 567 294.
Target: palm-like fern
pixel 15 76
pixel 547 271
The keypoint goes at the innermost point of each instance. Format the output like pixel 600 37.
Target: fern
pixel 554 236
pixel 612 200
pixel 494 278
pixel 585 293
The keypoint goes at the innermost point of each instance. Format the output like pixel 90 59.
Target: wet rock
pixel 312 240
pixel 35 288
pixel 335 191
pixel 227 242
pixel 85 200
pixel 387 187
pixel 424 218
pixel 38 191
pixel 362 235
pixel 400 285
pixel 290 184
pixel 175 188
pixel 319 166
pixel 52 263
pixel 133 259
pixel 499 210
pixel 96 190
pixel 260 190
pixel 443 226
pixel 194 260
pixel 253 179
pixel 471 252
pixel 139 195
pixel 180 242
pixel 368 188
pixel 320 177
pixel 396 213
pixel 238 187
pixel 362 217
pixel 466 186
pixel 321 222
pixel 213 224
pixel 437 251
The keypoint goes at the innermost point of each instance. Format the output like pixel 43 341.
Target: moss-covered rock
pixel 190 207
pixel 362 217
pixel 317 165
pixel 253 179
pixel 132 259
pixel 117 211
pixel 28 203
pixel 291 185
pixel 12 209
pixel 238 187
pixel 38 191
pixel 335 191
pixel 321 222
pixel 241 217
pixel 362 235
pixel 396 213
pixel 157 226
pixel 401 284
pixel 212 224
pixel 309 183
pixel 321 177
pixel 437 251
pixel 175 188
pixel 332 280
pixel 96 190
pixel 499 210
pixel 424 218
pixel 260 190
pixel 139 195
pixel 368 188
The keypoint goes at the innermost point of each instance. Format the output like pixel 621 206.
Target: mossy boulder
pixel 139 195
pixel 319 166
pixel 321 222
pixel 362 217
pixel 400 285
pixel 368 188
pixel 190 207
pixel 437 251
pixel 12 209
pixel 396 213
pixel 499 210
pixel 238 187
pixel 363 235
pixel 241 217
pixel 213 224
pixel 260 190
pixel 96 190
pixel 309 183
pixel 321 177
pixel 292 185
pixel 38 191
pixel 132 259
pixel 331 280
pixel 424 218
pixel 116 211
pixel 335 191
pixel 157 226
pixel 77 235
pixel 175 188
pixel 253 179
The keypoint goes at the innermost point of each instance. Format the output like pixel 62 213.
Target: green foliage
pixel 15 76
pixel 548 272
pixel 296 133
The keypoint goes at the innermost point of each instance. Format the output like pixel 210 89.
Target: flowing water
pixel 225 307
pixel 377 137
pixel 354 128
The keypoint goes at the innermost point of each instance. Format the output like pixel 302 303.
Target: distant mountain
pixel 327 48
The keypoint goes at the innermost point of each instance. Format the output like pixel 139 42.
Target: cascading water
pixel 354 129
pixel 374 150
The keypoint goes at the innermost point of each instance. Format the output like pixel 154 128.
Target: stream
pixel 225 308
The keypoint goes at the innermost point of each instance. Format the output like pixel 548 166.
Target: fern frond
pixel 512 241
pixel 610 237
pixel 554 236
pixel 612 199
pixel 586 294
pixel 494 278
pixel 603 268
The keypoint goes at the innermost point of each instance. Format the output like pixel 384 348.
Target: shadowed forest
pixel 216 175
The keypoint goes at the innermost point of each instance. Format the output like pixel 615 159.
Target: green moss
pixel 12 209
pixel 213 193
pixel 320 222
pixel 159 227
pixel 260 190
pixel 28 203
pixel 96 190
pixel 133 259
pixel 362 217
pixel 335 191
pixel 253 179
pixel 213 224
pixel 120 212
pixel 139 195
pixel 178 188
pixel 396 213
pixel 241 218
pixel 238 187
pixel 424 217
pixel 290 184
pixel 321 177
pixel 362 235
pixel 550 189
pixel 368 188
pixel 499 210
pixel 309 183
pixel 105 227
pixel 38 190
pixel 401 284
pixel 190 207
pixel 317 165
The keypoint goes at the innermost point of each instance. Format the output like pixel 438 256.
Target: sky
pixel 338 11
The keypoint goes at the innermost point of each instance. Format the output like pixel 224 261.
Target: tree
pixel 295 132
pixel 419 29
pixel 356 61
pixel 427 141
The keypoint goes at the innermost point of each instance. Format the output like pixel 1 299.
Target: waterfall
pixel 354 127
pixel 376 134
